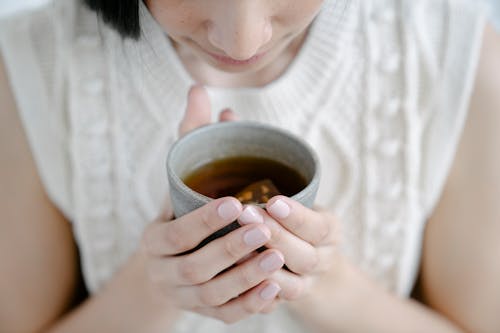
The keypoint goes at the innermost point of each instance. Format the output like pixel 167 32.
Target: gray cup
pixel 237 139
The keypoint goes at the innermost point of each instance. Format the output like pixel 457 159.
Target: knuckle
pixel 247 277
pixel 310 264
pixel 210 296
pixel 164 294
pixel 323 230
pixel 277 233
pixel 315 261
pixel 232 248
pixel 174 238
pixel 251 306
pixel 270 307
pixel 147 245
pixel 208 221
pixel 155 274
pixel 298 222
pixel 224 315
pixel 228 319
pixel 189 272
pixel 294 291
pixel 324 267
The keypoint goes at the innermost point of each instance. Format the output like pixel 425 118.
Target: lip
pixel 234 62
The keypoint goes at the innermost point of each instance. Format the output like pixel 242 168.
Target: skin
pixel 325 290
pixel 235 29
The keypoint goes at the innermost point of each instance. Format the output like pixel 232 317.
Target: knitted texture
pixel 379 89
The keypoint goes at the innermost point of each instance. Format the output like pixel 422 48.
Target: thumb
pixel 197 111
pixel 227 115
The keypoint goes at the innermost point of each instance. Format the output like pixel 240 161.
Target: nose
pixel 240 29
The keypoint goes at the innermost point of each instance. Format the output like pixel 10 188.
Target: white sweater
pixel 380 89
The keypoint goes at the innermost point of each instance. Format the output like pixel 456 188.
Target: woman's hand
pixel 200 281
pixel 306 238
pixel 197 281
pixel 198 112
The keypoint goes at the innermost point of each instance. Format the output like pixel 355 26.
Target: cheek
pixel 177 17
pixel 297 13
pixel 182 19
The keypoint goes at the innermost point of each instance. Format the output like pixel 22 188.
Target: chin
pixel 253 66
pixel 237 68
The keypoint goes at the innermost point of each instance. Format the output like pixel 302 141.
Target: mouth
pixel 234 62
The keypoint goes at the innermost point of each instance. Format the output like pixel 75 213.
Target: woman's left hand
pixel 307 239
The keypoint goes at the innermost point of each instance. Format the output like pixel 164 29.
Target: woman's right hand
pixel 192 281
pixel 195 281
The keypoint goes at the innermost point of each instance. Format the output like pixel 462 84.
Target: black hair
pixel 123 15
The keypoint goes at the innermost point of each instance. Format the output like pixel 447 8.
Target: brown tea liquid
pixel 227 177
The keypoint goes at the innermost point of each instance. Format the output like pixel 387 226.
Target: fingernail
pixel 271 262
pixel 270 291
pixel 250 215
pixel 228 210
pixel 255 237
pixel 279 209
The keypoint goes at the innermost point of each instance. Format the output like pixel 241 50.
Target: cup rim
pixel 247 124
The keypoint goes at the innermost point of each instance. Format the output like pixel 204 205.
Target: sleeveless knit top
pixel 380 90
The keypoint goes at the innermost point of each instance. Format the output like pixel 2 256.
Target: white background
pixel 10 6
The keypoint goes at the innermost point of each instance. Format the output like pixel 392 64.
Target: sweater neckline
pixel 328 38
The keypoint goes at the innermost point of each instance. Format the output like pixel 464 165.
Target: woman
pixel 90 104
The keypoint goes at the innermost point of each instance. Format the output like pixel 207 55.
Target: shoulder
pixel 33 57
pixel 461 239
pixel 479 150
pixel 31 222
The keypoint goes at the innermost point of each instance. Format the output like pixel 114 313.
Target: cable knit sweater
pixel 380 90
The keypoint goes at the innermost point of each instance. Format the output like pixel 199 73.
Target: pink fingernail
pixel 272 262
pixel 250 215
pixel 279 209
pixel 270 291
pixel 255 237
pixel 228 210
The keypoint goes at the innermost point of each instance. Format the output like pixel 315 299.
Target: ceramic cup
pixel 237 139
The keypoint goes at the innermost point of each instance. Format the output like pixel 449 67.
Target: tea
pixel 230 176
pixel 250 179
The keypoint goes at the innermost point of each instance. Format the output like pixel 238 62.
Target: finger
pixel 236 281
pixel 311 226
pixel 188 231
pixel 327 258
pixel 271 307
pixel 198 111
pixel 292 285
pixel 244 306
pixel 247 257
pixel 220 254
pixel 166 212
pixel 249 215
pixel 300 256
pixel 227 115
